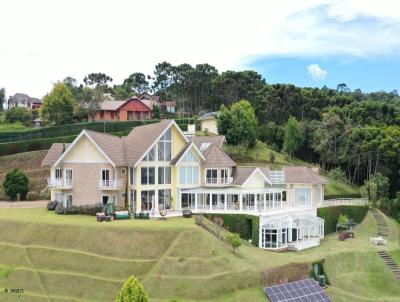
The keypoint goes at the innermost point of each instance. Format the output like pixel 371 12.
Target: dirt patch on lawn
pixel 284 274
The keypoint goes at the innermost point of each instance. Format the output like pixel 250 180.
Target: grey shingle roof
pixel 216 157
pixel 53 154
pixel 216 139
pixel 111 145
pixel 141 138
pixel 300 174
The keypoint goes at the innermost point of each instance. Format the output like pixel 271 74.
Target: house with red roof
pixel 128 110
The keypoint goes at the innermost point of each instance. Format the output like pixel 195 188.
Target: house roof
pixel 141 138
pixel 209 115
pixel 54 153
pixel 111 105
pixel 199 140
pixel 178 157
pixel 216 157
pixel 301 174
pixel 23 97
pixel 111 145
pixel 241 174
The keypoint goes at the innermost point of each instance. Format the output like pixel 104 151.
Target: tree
pixel 19 114
pixel 136 82
pixel 2 98
pixel 293 139
pixel 16 183
pixel 132 291
pixel 234 240
pixel 91 100
pixel 376 189
pixel 97 79
pixel 119 92
pixel 238 124
pixel 156 112
pixel 58 105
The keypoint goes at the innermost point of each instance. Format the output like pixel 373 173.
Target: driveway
pixel 23 204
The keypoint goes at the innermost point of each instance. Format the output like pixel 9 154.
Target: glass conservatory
pixel 290 231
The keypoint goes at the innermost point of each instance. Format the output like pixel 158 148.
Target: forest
pixel 340 128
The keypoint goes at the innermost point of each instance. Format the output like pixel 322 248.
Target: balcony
pixel 59 183
pixel 116 184
pixel 219 181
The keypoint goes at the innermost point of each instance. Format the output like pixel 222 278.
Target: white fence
pixel 344 202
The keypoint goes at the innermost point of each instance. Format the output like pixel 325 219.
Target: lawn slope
pixel 74 258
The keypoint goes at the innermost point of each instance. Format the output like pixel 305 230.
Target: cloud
pixel 316 72
pixel 121 37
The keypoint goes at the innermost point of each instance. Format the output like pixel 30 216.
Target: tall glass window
pixel 302 197
pixel 164 199
pixel 164 175
pixel 164 146
pixel 147 200
pixel 148 175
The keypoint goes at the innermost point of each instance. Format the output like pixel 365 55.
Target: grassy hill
pixel 74 258
pixel 29 162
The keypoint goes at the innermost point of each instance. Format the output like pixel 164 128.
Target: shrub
pixel 45 193
pixel 234 240
pixel 16 183
pixel 71 210
pixel 331 215
pixel 132 291
pixel 247 226
pixel 59 209
pixel 51 205
pixel 19 114
pixel 32 195
pixel 283 274
pixel 337 174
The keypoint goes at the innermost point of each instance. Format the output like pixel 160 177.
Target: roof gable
pixel 216 157
pixel 71 146
pixel 185 151
pixel 216 139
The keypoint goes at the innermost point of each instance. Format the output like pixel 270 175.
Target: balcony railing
pixel 219 181
pixel 59 183
pixel 115 184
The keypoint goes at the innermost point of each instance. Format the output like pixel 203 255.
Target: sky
pixel 302 42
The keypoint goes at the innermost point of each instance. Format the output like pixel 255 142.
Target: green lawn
pixel 74 258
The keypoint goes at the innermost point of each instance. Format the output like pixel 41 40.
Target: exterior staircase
pixel 383 227
pixel 392 265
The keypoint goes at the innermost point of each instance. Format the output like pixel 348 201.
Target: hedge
pixel 344 195
pixel 73 129
pixel 247 226
pixel 45 143
pixel 331 215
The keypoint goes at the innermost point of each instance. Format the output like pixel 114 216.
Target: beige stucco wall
pixel 210 124
pixel 87 162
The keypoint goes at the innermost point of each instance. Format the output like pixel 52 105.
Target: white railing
pixel 59 182
pixel 111 184
pixel 219 181
pixel 344 202
pixel 211 181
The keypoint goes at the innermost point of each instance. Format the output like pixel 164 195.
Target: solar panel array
pixel 307 290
